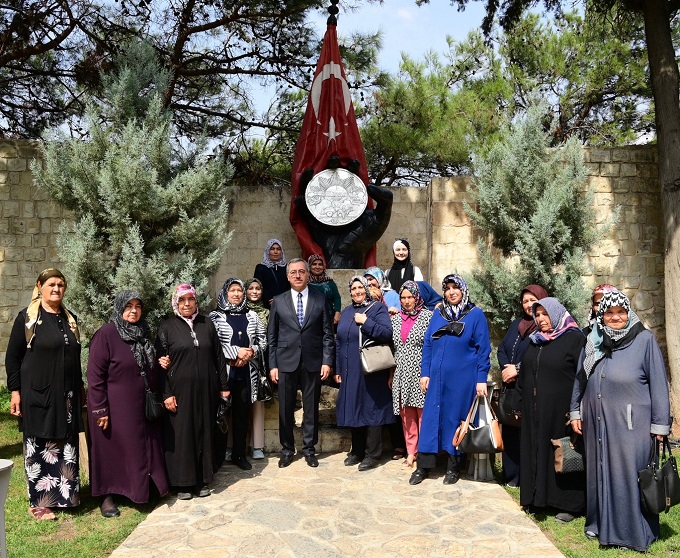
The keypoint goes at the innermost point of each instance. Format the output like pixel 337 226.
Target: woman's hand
pixel 481 389
pixel 225 394
pixel 245 354
pixel 376 293
pixel 103 422
pixel 338 379
pixel 360 318
pixel 171 404
pixel 577 426
pixel 15 404
pixel 393 311
pixel 424 384
pixel 509 373
pixel 390 379
pixel 164 361
pixel 336 318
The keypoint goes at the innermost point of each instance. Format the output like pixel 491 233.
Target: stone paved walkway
pixel 335 511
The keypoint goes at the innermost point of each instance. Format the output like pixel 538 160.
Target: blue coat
pixel 362 400
pixel 454 365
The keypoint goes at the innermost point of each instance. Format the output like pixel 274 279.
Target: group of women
pixel 606 382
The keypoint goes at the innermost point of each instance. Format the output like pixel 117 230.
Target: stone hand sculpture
pixel 346 246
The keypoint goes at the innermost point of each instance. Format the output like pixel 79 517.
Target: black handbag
pixel 265 392
pixel 659 485
pixel 153 408
pixel 509 406
pixel 486 438
pixel 569 452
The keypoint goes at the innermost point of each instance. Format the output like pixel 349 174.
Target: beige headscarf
pixel 33 310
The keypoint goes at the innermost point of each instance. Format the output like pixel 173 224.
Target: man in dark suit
pixel 301 352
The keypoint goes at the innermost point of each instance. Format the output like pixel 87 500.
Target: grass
pixel 570 539
pixel 78 532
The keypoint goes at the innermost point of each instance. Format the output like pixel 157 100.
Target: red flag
pixel 329 128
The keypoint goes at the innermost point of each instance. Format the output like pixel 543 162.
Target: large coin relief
pixel 336 197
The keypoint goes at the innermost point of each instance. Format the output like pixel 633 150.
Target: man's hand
pixel 274 375
pixel 325 371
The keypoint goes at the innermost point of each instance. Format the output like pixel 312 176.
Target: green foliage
pixel 533 202
pixel 149 213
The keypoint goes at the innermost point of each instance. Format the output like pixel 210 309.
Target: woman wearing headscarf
pixel 621 403
pixel 454 370
pixel 242 335
pixel 272 271
pixel 402 268
pixel 545 383
pixel 364 402
pixel 254 297
pixel 126 451
pixel 510 353
pixel 381 289
pixel 194 378
pixel 321 282
pixel 598 293
pixel 46 385
pixel 408 336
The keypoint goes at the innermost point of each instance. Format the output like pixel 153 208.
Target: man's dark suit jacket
pixel 291 345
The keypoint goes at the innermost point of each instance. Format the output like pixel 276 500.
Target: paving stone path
pixel 335 511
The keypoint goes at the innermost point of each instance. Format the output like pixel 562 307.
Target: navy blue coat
pixel 362 400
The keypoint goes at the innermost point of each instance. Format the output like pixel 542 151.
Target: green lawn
pixel 78 532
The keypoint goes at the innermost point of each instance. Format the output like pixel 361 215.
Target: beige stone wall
pixel 627 208
pixel 28 226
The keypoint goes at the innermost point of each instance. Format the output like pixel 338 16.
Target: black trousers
pixel 511 453
pixel 240 415
pixel 310 384
pixel 429 461
pixel 367 441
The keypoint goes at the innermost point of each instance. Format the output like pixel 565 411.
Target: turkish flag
pixel 329 128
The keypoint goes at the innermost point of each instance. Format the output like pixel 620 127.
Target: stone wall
pixel 627 208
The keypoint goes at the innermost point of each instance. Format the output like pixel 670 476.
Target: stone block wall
pixel 626 203
pixel 29 222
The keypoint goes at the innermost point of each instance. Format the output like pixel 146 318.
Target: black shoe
pixel 368 463
pixel 202 492
pixel 451 477
pixel 352 460
pixel 564 517
pixel 242 463
pixel 418 476
pixel 108 508
pixel 285 460
pixel 311 460
pixel 184 495
pixel 592 535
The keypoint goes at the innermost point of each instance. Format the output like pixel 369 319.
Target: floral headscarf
pixel 270 263
pixel 223 302
pixel 412 287
pixel 33 310
pixel 453 311
pixel 561 321
pixel 368 298
pixel 180 291
pixel 317 278
pixel 137 335
pixel 600 289
pixel 258 306
pixel 380 277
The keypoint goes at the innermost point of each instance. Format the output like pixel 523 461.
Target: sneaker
pixel 592 535
pixel 564 517
pixel 202 492
pixel 258 453
pixel 184 495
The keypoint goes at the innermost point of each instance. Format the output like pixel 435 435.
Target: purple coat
pixel 129 451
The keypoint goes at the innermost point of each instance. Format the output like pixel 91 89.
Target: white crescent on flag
pixel 329 70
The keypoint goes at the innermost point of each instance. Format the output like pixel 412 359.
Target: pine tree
pixel 149 209
pixel 534 204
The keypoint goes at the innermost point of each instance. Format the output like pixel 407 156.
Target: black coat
pixel 274 281
pixel 546 381
pixel 43 374
pixel 195 377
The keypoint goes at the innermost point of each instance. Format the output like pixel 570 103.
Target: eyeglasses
pixel 296 272
pixel 193 336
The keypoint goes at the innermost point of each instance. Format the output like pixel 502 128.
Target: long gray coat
pixel 624 401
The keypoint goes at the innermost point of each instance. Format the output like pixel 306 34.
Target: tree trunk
pixel 666 87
